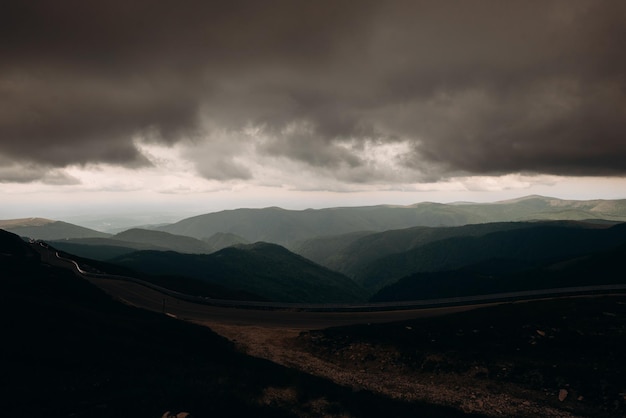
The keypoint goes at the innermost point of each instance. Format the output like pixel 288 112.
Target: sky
pixel 180 108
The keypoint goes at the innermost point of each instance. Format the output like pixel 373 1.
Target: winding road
pixel 295 316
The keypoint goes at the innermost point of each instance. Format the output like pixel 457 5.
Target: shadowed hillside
pixel 74 351
pixel 527 245
pixel 130 241
pixel 176 282
pixel 101 248
pixel 136 239
pixel 268 270
pixel 508 275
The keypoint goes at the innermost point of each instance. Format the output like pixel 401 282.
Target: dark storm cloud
pixel 12 172
pixel 483 87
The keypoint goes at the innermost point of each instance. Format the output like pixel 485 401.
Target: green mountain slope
pixel 535 243
pixel 287 227
pixel 178 243
pixel 264 269
pixel 597 268
pixel 130 241
pixel 351 253
pixel 51 230
pixel 183 284
pixel 329 250
pixel 221 240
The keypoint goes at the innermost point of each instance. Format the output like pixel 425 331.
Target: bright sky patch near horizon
pixel 177 109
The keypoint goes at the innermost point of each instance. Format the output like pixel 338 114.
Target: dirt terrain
pixel 559 358
pixel 367 367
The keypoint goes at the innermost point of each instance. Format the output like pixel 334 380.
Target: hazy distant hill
pixel 178 243
pixel 529 245
pixel 268 270
pixel 540 207
pixel 329 250
pixel 14 223
pixel 350 253
pixel 221 240
pixel 287 227
pixel 45 229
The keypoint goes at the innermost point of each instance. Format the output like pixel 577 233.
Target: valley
pixel 375 351
pixel 514 317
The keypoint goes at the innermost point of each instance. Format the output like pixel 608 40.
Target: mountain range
pixel 522 244
pixel 347 254
pixel 289 227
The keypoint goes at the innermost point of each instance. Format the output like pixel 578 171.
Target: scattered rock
pixel 169 414
pixel 540 332
pixel 563 394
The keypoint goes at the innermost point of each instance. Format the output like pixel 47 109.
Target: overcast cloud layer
pixel 455 88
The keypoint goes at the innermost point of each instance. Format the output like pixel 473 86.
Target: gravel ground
pixel 366 367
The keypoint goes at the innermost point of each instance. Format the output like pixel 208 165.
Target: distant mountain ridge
pixel 288 227
pixel 38 228
pixel 21 222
